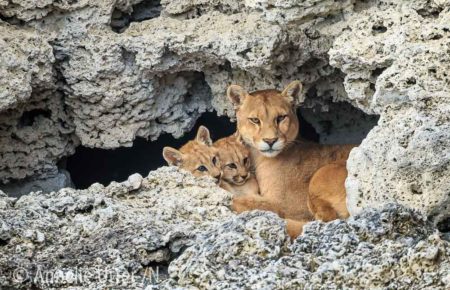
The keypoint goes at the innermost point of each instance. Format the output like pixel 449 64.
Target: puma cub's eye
pixel 214 160
pixel 202 168
pixel 232 165
pixel 254 120
pixel 281 118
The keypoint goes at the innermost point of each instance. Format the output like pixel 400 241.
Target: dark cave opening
pixel 29 117
pixel 144 10
pixel 90 165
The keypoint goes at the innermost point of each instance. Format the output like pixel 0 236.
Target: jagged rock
pixel 390 248
pixel 34 136
pixel 118 237
pixel 396 63
pixel 394 53
pixel 131 69
pixel 115 228
pixel 106 72
pixel 26 64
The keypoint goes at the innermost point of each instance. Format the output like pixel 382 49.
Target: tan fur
pixel 327 197
pixel 285 169
pixel 236 167
pixel 195 154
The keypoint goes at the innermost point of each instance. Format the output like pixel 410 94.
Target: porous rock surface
pixel 127 69
pixel 181 227
pixel 392 248
pixel 395 57
pixel 122 228
pixel 102 73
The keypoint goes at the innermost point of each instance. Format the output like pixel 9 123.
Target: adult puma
pixel 287 168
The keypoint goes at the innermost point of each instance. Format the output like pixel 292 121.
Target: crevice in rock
pixel 147 9
pixel 378 28
pixel 90 165
pixel 444 225
pixel 341 124
pixel 430 12
pixel 29 117
pixel 336 122
pixel 12 20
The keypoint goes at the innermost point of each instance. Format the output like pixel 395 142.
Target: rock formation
pixel 376 249
pixel 102 73
pixel 123 228
pixel 171 230
pixel 127 69
pixel 395 57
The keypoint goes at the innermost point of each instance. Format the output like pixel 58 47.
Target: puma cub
pixel 236 167
pixel 197 156
pixel 299 180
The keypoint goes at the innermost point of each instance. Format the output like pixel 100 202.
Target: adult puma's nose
pixel 270 141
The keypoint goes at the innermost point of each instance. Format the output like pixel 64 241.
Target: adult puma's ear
pixel 236 94
pixel 203 136
pixel 292 91
pixel 172 156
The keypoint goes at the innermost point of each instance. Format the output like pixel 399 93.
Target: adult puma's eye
pixel 214 160
pixel 281 118
pixel 232 165
pixel 245 160
pixel 202 168
pixel 254 120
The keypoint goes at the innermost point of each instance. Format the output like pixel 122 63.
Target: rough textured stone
pixel 128 69
pixel 26 64
pixel 117 228
pixel 121 235
pixel 34 136
pixel 391 248
pixel 395 57
pixel 119 70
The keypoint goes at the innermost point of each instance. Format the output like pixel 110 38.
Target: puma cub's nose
pixel 270 141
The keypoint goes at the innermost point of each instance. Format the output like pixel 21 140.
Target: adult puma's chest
pixel 286 177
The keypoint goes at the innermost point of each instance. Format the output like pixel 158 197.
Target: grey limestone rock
pixel 122 228
pixel 391 248
pixel 395 57
pixel 128 69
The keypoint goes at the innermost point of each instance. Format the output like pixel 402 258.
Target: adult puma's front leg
pixel 249 202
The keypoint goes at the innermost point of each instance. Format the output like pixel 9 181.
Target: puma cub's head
pixel 197 156
pixel 234 160
pixel 266 120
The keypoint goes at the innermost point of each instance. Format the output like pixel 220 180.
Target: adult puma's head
pixel 197 156
pixel 234 160
pixel 266 120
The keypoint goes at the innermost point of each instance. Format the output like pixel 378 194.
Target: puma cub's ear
pixel 172 156
pixel 203 136
pixel 236 94
pixel 292 91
